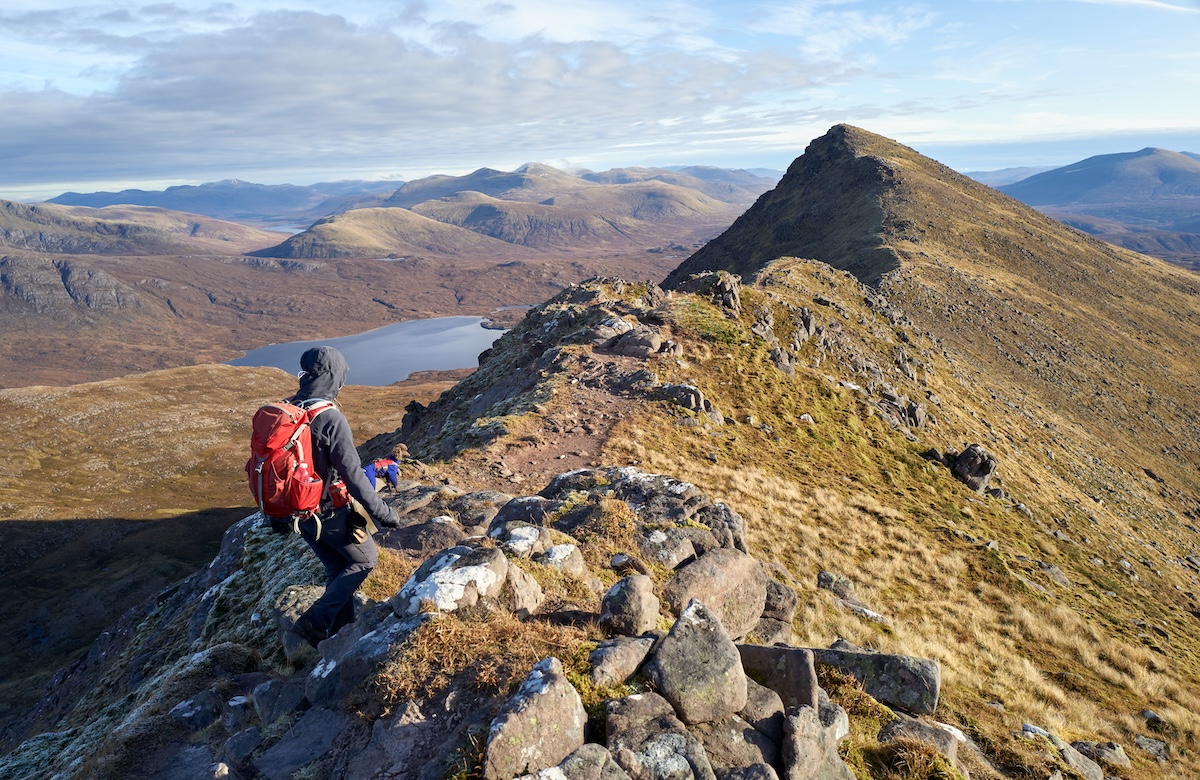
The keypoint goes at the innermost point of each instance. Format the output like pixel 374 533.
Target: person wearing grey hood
pixel 346 551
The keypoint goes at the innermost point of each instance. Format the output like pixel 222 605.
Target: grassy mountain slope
pixel 651 201
pixel 529 224
pixel 382 232
pixel 1056 318
pixel 532 182
pixel 114 490
pixel 121 230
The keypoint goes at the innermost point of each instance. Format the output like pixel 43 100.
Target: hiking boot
pixel 304 628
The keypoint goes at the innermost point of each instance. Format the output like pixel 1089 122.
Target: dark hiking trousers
pixel 346 567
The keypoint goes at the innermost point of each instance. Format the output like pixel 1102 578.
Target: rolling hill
pixel 530 182
pixel 738 187
pixel 533 225
pixel 121 230
pixel 383 232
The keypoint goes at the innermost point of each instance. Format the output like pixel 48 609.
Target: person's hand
pixel 392 520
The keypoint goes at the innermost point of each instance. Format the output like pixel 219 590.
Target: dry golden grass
pixel 849 494
pixel 485 651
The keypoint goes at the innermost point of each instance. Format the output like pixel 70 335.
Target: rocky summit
pixel 896 479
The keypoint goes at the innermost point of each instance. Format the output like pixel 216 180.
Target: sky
pixel 107 96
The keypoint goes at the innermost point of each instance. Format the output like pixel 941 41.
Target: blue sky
pixel 97 95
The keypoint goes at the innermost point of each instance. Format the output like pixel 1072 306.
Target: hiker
pixel 337 535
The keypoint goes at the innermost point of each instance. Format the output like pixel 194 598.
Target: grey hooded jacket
pixel 334 454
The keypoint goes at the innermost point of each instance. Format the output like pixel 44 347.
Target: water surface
pixel 389 354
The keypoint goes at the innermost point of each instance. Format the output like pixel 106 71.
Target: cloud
pixel 290 89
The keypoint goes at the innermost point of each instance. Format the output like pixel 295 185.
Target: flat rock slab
pixel 901 681
pixel 304 743
pixel 789 671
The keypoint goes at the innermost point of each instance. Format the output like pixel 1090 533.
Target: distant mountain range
pixel 1148 201
pixel 240 200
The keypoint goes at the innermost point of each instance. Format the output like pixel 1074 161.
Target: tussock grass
pixel 485 651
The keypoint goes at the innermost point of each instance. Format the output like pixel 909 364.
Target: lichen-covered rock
pixel 649 741
pixel 567 559
pixel 810 749
pixel 901 681
pixel 538 727
pixel 974 467
pixel 837 584
pixel 589 762
pixel 789 671
pixel 668 547
pixel 616 660
pixel 697 668
pixel 729 582
pixel 732 743
pixel 1108 754
pixel 453 579
pixel 630 606
pixel 336 676
pixel 519 538
pixel 200 711
pixel 523 595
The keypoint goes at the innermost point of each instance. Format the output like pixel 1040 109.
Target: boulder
pixel 769 631
pixel 669 547
pixel 311 736
pixel 519 740
pixel 478 508
pixel 524 595
pixel 275 698
pixel 649 741
pixel 589 762
pixel 837 584
pixel 616 660
pixel 1160 750
pixel 333 679
pixel 974 467
pixel 705 691
pixel 900 681
pixel 453 579
pixel 938 738
pixel 238 748
pixel 519 538
pixel 290 605
pixel 1085 766
pixel 437 533
pixel 732 743
pixel 763 710
pixel 1107 754
pixel 788 671
pixel 527 509
pixel 729 582
pixel 200 711
pixel 781 602
pixel 567 559
pixel 726 525
pixel 630 606
pixel 641 342
pixel 810 749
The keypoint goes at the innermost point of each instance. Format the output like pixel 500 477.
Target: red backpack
pixel 280 469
